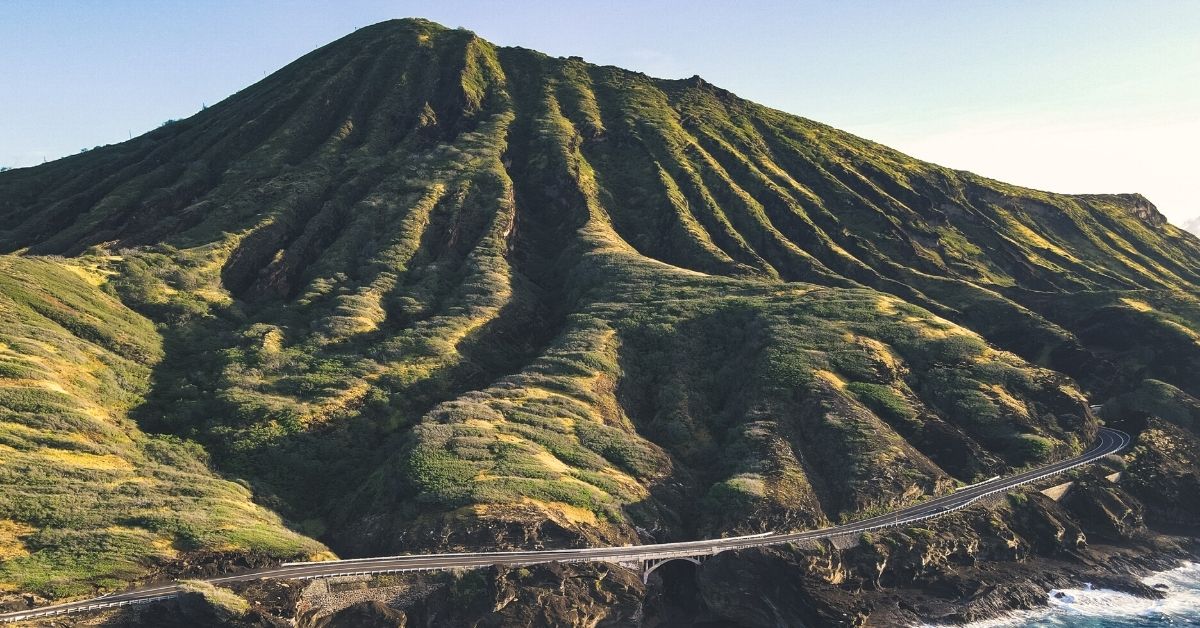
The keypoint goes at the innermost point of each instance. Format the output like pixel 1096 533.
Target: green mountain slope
pixel 423 292
pixel 86 499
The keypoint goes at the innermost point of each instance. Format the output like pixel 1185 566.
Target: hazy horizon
pixel 1069 97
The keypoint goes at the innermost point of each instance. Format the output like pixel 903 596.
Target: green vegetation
pixel 86 499
pixel 226 603
pixel 415 290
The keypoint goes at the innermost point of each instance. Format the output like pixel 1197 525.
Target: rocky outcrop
pixel 579 596
pixel 774 587
pixel 363 615
pixel 20 602
pixel 1162 475
pixel 963 567
pixel 1143 209
pixel 1103 511
pixel 206 564
pixel 191 610
pixel 1046 527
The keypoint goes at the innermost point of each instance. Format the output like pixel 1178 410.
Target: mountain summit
pixel 420 292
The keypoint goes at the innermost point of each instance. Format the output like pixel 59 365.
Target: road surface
pixel 1108 441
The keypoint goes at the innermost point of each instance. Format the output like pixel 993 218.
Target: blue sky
pixel 1066 96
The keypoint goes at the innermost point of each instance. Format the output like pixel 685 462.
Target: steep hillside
pixel 86 499
pixel 423 292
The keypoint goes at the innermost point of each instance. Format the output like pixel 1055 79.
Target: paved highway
pixel 1108 441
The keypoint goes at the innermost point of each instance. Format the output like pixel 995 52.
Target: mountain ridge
pixel 421 292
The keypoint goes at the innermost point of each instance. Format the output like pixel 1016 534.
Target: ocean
pixel 1087 607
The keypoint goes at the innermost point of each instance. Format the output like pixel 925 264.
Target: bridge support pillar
pixel 648 566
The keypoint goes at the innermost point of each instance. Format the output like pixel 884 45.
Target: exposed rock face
pixel 362 615
pixel 1145 211
pixel 579 596
pixel 20 602
pixel 584 596
pixel 1163 476
pixel 1046 527
pixel 1106 514
pixel 965 567
pixel 775 587
pixel 205 564
pixel 190 610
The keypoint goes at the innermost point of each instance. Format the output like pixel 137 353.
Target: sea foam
pixel 1089 607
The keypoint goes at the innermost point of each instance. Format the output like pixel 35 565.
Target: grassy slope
pixel 420 291
pixel 86 499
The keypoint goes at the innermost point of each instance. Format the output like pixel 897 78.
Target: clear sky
pixel 1063 95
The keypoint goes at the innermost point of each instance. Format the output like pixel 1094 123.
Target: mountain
pixel 415 291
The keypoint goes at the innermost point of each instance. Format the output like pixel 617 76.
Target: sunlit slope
pixel 86 499
pixel 424 292
pixel 716 408
pixel 687 173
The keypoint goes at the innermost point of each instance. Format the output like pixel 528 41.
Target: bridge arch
pixel 651 565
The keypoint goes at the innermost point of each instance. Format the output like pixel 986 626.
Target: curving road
pixel 1108 441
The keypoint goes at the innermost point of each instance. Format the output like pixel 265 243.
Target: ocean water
pixel 1087 607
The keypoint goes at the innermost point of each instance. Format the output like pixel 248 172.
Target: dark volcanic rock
pixel 963 567
pixel 779 587
pixel 587 595
pixel 191 611
pixel 1047 527
pixel 206 564
pixel 1162 474
pixel 362 615
pixel 1104 511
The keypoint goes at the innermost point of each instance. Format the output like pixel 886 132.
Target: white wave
pixel 1073 607
pixel 1009 620
pixel 1088 602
